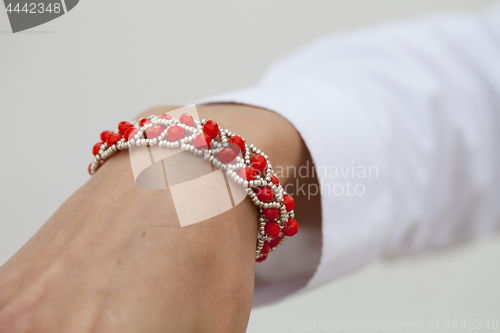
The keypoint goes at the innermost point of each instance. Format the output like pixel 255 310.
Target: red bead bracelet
pixel 221 148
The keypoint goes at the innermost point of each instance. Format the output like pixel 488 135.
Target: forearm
pixel 123 247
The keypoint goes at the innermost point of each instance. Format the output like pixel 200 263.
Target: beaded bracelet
pixel 221 148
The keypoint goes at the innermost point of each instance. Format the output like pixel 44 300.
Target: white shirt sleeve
pixel 416 105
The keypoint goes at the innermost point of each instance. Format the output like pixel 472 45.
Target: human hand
pixel 114 258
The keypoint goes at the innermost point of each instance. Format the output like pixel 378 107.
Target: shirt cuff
pixel 343 142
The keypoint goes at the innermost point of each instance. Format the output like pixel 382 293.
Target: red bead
pixel 186 119
pixel 238 141
pixel 289 202
pixel 144 121
pixel 264 193
pixel 272 229
pixel 266 248
pixel 211 128
pixel 113 138
pixel 96 148
pixel 104 135
pixel 271 213
pixel 290 228
pixel 154 131
pixel 275 180
pixel 226 155
pixel 202 141
pixel 90 173
pixel 165 116
pixel 130 133
pixel 124 126
pixel 248 173
pixel 260 259
pixel 275 242
pixel 175 133
pixel 259 163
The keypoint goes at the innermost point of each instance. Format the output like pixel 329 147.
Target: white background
pixel 64 82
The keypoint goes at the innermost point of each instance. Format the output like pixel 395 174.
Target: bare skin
pixel 113 258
